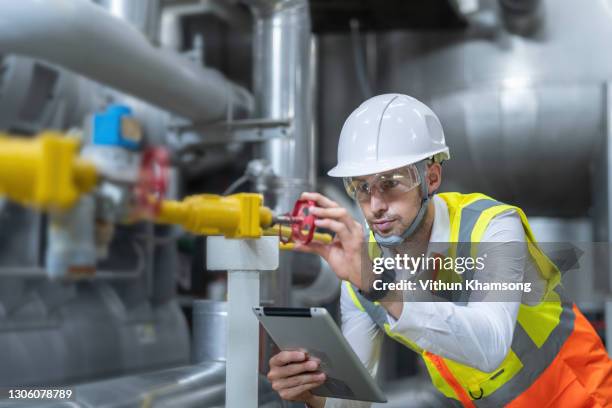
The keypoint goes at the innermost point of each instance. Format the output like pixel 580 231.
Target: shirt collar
pixel 441 224
pixel 440 230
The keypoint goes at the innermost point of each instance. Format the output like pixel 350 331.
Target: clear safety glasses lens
pixel 389 184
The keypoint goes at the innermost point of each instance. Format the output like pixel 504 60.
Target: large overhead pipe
pixel 85 38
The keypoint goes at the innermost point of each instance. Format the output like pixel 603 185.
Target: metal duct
pixel 284 89
pixel 284 85
pixel 84 38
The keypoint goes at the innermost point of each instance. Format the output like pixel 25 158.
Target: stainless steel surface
pixel 325 288
pixel 84 38
pixel 239 131
pixel 35 95
pixel 209 331
pixel 58 332
pixel 144 15
pixel 523 115
pixel 194 386
pixel 284 89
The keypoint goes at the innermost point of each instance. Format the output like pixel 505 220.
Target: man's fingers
pixel 297 380
pixel 320 199
pixel 286 357
pixel 278 373
pixel 291 393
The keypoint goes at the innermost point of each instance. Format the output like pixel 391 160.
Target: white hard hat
pixel 387 132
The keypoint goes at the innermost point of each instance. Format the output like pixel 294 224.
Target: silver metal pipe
pixel 209 331
pixel 85 38
pixel 284 89
pixel 284 85
pixel 142 14
pixel 199 385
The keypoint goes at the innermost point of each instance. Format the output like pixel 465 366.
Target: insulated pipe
pixel 284 89
pixel 83 37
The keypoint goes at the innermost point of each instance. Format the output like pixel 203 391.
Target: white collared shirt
pixel 478 334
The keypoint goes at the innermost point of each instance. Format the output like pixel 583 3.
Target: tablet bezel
pixel 313 330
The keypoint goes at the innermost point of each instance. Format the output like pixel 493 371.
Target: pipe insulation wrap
pixel 84 38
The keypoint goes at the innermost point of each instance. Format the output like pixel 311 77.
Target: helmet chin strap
pixel 394 240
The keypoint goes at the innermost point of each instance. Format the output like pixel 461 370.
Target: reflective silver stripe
pixel 469 217
pixel 376 312
pixel 535 360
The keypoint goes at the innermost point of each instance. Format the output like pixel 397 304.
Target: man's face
pixel 389 208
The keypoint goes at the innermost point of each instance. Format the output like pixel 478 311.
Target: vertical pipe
pixel 284 88
pixel 209 331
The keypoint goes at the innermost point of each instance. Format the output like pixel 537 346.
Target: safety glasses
pixel 389 185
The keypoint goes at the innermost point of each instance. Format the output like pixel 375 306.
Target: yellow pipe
pixel 286 232
pixel 236 216
pixel 47 173
pixel 44 172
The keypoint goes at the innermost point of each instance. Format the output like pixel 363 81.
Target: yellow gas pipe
pixel 45 172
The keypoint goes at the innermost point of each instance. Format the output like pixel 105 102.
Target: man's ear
pixel 434 177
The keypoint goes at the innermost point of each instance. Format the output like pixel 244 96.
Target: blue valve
pixel 116 127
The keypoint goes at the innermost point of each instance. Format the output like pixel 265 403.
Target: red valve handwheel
pixel 303 227
pixel 152 181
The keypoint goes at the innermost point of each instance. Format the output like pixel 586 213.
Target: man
pixel 478 353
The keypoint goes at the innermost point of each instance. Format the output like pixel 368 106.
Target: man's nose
pixel 378 205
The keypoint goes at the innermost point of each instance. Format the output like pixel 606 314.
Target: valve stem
pixel 286 219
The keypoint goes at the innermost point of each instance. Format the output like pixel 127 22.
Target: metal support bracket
pixel 242 131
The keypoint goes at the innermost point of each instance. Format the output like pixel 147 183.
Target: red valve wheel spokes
pixel 303 231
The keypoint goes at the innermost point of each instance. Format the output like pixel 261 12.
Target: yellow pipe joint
pixel 236 216
pixel 44 172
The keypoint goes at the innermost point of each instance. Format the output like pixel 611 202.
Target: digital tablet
pixel 313 330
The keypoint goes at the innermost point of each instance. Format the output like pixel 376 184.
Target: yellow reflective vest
pixel 540 331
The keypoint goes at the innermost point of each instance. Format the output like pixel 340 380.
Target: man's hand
pixel 293 374
pixel 346 252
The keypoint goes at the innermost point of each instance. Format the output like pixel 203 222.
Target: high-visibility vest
pixel 548 337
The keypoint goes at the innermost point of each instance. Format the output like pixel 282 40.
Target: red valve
pixel 302 224
pixel 152 184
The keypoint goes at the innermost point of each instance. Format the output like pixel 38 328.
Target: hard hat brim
pixel 366 167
